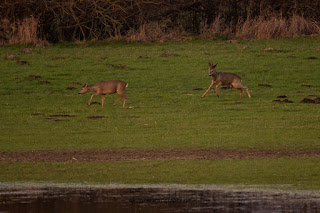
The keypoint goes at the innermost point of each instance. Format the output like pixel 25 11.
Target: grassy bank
pixel 294 173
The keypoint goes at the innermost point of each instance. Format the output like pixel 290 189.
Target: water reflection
pixel 145 199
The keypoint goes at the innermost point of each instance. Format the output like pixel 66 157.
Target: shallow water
pixel 148 199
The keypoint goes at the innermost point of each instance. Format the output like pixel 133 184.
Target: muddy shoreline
pixel 131 155
pixel 40 197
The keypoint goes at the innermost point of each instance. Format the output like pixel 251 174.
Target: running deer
pixel 224 78
pixel 106 87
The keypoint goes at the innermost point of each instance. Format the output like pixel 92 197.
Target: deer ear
pixel 215 65
pixel 85 84
pixel 209 63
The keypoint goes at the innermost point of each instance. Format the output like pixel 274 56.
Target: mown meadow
pixel 41 110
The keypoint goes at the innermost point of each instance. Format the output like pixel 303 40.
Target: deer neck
pixel 215 75
pixel 91 88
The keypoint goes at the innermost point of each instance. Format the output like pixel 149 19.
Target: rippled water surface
pixel 151 199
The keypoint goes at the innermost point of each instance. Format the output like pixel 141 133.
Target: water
pixel 55 199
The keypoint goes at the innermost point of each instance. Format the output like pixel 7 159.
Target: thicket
pixel 35 21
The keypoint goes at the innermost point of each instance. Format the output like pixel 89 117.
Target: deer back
pixel 226 78
pixel 109 87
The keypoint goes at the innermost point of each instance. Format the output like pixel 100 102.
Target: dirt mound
pixel 311 99
pixel 96 117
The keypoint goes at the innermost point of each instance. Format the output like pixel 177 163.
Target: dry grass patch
pixel 276 27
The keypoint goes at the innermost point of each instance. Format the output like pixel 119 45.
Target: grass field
pixel 281 173
pixel 164 111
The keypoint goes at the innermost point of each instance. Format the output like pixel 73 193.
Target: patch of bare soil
pixel 118 67
pixel 34 76
pixel 168 53
pixel 311 99
pixel 21 63
pixel 96 117
pixel 132 155
pixel 70 88
pixel 44 82
pixel 264 85
pixel 58 58
pixel 63 116
pixel 306 85
pixel 11 57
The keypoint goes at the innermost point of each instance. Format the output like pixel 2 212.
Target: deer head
pixel 212 68
pixel 84 89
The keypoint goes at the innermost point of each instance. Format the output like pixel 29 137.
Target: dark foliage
pixel 99 19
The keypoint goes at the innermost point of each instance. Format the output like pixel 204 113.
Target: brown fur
pixel 224 78
pixel 106 87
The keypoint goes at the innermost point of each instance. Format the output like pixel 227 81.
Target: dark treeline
pixel 69 20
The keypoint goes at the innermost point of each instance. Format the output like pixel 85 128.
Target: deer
pixel 225 78
pixel 106 87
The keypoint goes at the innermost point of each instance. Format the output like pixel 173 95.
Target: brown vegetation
pixel 20 31
pixel 33 21
pixel 276 27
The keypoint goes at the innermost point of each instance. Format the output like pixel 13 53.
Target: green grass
pixel 165 111
pixel 294 173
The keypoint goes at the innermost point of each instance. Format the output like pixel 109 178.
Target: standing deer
pixel 106 87
pixel 224 78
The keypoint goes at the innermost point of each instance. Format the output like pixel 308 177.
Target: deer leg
pixel 217 92
pixel 125 100
pixel 248 92
pixel 92 97
pixel 117 101
pixel 122 95
pixel 244 87
pixel 103 97
pixel 208 89
pixel 240 91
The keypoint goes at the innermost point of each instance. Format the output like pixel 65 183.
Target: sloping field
pixel 167 131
